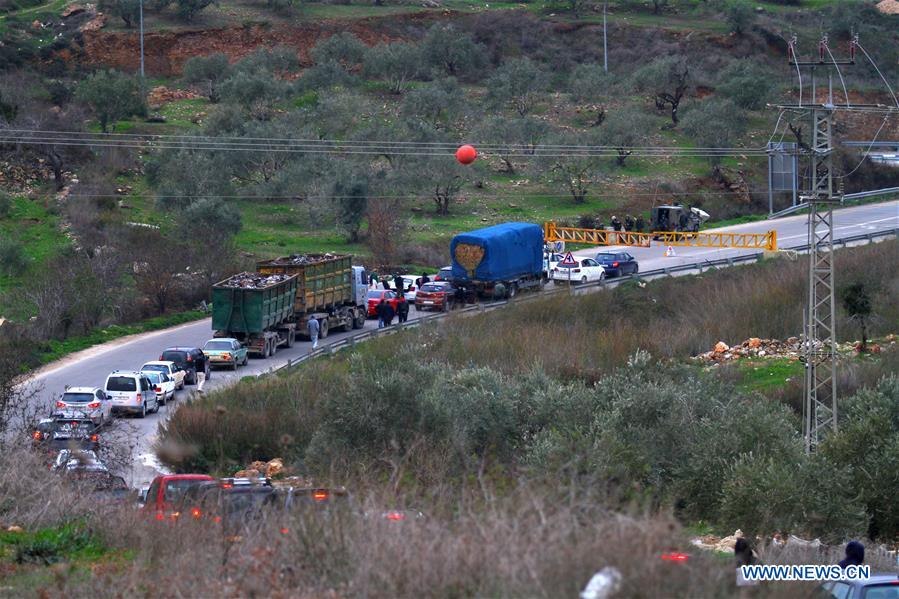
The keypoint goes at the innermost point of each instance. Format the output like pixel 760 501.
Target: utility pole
pixel 819 344
pixel 141 3
pixel 605 42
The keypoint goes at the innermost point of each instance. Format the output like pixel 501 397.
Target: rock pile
pixel 753 348
pixel 301 259
pixel 163 95
pixel 253 280
pixel 272 469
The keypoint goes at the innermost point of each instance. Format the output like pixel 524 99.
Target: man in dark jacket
pixel 424 279
pixel 388 314
pixel 379 311
pixel 855 555
pixel 402 310
pixel 398 283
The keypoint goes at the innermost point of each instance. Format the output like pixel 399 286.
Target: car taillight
pixel 227 485
pixel 395 516
pixel 675 557
pixel 217 519
pixel 226 356
pixel 190 358
pixel 60 404
pixel 95 438
pixel 160 516
pixel 320 495
pixel 577 270
pixel 614 265
pixel 157 389
pixel 37 435
pixel 284 531
pixel 160 358
pixel 139 397
pixel 95 404
pixel 195 512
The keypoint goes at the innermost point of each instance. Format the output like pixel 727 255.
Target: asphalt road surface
pixel 89 368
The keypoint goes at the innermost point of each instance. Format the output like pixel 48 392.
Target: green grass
pixel 32 225
pixel 54 350
pixel 765 375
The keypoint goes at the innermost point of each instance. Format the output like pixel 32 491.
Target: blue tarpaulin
pixel 511 250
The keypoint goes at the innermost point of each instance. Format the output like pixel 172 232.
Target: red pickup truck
pixel 166 490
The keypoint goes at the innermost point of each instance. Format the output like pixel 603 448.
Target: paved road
pixel 90 368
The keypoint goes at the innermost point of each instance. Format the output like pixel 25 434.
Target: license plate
pixel 427 302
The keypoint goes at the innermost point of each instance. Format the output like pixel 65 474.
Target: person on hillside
pixel 389 313
pixel 314 328
pixel 855 555
pixel 398 283
pixel 402 310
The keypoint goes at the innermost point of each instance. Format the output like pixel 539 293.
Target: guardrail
pixel 351 340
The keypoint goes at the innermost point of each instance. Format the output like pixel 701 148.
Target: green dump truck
pixel 329 288
pixel 257 310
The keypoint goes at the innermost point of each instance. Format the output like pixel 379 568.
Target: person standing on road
pixel 424 279
pixel 373 279
pixel 402 310
pixel 616 224
pixel 628 223
pixel 640 224
pixel 398 283
pixel 314 329
pixel 389 313
pixel 379 310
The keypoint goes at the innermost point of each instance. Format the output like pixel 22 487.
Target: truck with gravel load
pixel 329 289
pixel 271 307
pixel 509 254
pixel 257 310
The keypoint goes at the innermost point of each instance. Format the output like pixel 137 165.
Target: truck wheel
pixel 266 350
pixel 274 348
pixel 323 328
pixel 359 320
pixel 291 337
pixel 513 289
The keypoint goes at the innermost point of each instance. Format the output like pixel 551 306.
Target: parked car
pixel 617 264
pixel 165 493
pixel 189 359
pixel 131 392
pixel 586 270
pixel 550 261
pixel 877 586
pixel 169 368
pixel 162 385
pixel 226 352
pixel 410 286
pixel 437 295
pixel 376 295
pixel 89 402
pixel 444 274
pixel 59 432
pixel 229 502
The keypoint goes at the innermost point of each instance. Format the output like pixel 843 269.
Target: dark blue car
pixel 617 264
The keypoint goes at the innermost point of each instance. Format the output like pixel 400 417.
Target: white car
pixel 162 385
pixel 169 368
pixel 85 402
pixel 550 261
pixel 131 392
pixel 410 286
pixel 585 271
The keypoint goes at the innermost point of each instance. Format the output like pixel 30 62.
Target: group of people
pixel 630 224
pixel 385 310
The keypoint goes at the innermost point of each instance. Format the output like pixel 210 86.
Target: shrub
pixel 13 260
pixel 6 204
pixel 746 84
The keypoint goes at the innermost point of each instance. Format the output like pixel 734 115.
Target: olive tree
pixel 576 172
pixel 518 136
pixel 624 129
pixel 517 83
pixel 746 84
pixel 449 51
pixel 437 104
pixel 343 48
pixel 715 124
pixel 208 72
pixel 397 64
pixel 591 84
pixel 112 96
pixel 669 80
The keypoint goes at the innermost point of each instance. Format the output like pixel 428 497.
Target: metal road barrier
pixel 743 241
pixel 351 340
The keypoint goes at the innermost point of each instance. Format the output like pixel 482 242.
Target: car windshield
pixel 77 397
pixel 245 499
pixel 560 265
pixel 375 294
pixel 178 357
pixel 121 383
pixel 881 591
pixel 77 427
pixel 155 368
pixel 605 258
pixel 175 489
pixel 154 377
pixel 217 345
pixel 434 287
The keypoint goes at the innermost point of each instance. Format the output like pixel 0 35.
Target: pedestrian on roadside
pixel 314 329
pixel 402 310
pixel 379 310
pixel 616 224
pixel 389 313
pixel 640 224
pixel 628 223
pixel 424 279
pixel 373 279
pixel 398 283
pixel 855 555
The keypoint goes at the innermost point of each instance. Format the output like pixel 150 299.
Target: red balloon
pixel 466 154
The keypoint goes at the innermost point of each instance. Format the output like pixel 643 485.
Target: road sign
pixel 568 260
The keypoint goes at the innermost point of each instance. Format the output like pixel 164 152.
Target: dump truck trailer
pixel 257 310
pixel 329 289
pixel 510 254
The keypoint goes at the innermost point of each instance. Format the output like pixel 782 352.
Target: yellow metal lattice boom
pixel 750 241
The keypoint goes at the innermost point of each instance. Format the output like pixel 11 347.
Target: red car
pixel 376 295
pixel 165 492
pixel 436 295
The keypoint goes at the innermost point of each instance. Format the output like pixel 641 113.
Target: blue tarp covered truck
pixel 510 253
